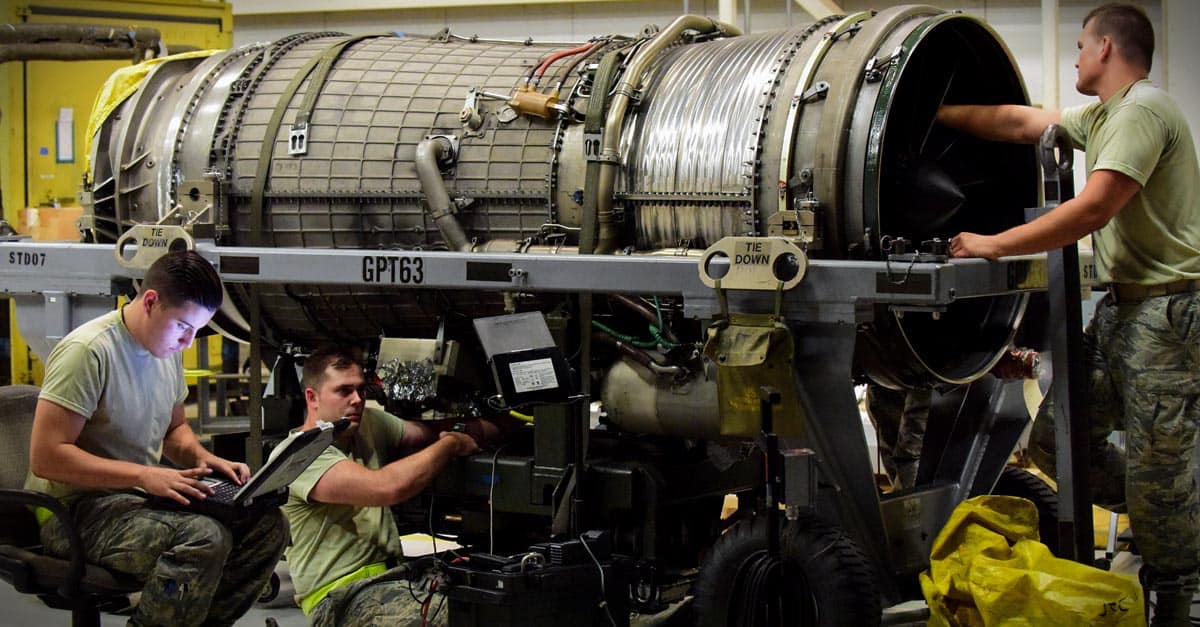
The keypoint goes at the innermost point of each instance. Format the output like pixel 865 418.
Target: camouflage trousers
pixel 1143 362
pixel 196 570
pixel 899 418
pixel 395 598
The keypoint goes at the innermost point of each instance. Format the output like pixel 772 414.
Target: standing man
pixel 110 410
pixel 1142 206
pixel 900 418
pixel 344 537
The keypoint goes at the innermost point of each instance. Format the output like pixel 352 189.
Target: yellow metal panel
pixel 32 94
pixel 12 166
pixel 52 86
pixel 191 355
pixel 259 7
pixel 26 367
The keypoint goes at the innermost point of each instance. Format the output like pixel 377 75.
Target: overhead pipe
pixel 631 80
pixel 77 42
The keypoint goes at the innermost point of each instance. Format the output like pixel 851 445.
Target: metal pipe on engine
pixel 645 312
pixel 431 152
pixel 631 80
pixel 638 355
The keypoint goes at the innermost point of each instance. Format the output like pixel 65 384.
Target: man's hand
pixel 974 245
pixel 177 485
pixel 463 443
pixel 1017 363
pixel 238 472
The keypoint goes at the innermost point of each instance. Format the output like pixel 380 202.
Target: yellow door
pixel 44 109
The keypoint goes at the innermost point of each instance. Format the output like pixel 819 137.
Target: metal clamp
pixel 878 65
pixel 151 241
pixel 471 116
pixel 817 92
pixel 298 139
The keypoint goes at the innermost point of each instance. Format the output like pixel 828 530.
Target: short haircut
pixel 185 277
pixel 331 355
pixel 1129 29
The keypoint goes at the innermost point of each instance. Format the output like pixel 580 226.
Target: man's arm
pixel 350 483
pixel 421 433
pixel 1105 194
pixel 183 448
pixel 1016 124
pixel 54 455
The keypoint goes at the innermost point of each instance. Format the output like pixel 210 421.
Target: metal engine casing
pixel 722 133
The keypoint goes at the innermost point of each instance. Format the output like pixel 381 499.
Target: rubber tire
pixel 1016 481
pixel 826 572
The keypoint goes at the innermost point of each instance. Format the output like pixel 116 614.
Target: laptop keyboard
pixel 223 491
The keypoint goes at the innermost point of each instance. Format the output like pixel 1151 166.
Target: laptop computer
pixel 266 488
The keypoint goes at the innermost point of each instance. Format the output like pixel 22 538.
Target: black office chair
pixel 67 584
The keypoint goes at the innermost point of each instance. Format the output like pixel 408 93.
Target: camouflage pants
pixel 1143 362
pixel 899 418
pixel 197 571
pixel 389 599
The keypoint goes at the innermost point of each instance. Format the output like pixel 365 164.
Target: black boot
pixel 1171 609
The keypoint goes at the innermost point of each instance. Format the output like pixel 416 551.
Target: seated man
pixel 344 538
pixel 110 409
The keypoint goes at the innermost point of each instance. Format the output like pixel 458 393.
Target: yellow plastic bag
pixel 988 568
pixel 121 85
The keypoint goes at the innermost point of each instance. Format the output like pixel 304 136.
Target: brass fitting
pixel 529 101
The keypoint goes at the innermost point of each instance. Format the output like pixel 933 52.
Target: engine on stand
pixel 618 242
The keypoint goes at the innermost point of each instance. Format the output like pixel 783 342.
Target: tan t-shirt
pixel 332 541
pixel 127 395
pixel 1142 134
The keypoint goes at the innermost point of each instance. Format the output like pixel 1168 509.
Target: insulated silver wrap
pixel 698 135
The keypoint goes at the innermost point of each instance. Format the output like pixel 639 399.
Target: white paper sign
pixel 64 136
pixel 533 375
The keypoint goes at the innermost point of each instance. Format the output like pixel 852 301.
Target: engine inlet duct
pixel 669 139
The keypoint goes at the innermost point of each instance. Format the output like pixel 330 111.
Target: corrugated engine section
pixel 694 142
pixel 357 185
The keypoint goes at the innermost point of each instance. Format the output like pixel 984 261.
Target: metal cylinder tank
pixel 668 139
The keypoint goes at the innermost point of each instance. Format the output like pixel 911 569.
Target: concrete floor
pixel 23 610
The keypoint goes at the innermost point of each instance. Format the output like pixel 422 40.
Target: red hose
pixel 558 55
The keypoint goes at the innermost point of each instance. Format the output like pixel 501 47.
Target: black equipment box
pixel 495 593
pixel 526 363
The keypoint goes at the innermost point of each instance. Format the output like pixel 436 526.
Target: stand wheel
pixel 270 590
pixel 821 578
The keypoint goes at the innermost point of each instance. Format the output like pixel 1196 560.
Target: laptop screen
pixel 290 459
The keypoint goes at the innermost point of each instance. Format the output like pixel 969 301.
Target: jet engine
pixel 816 143
pixel 659 143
